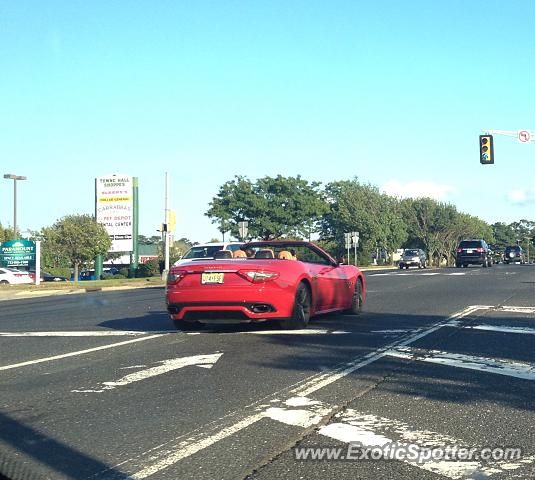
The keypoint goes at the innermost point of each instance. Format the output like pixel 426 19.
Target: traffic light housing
pixel 486 149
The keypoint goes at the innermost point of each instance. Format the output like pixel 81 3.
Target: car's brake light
pixel 459 250
pixel 174 276
pixel 257 276
pixel 480 249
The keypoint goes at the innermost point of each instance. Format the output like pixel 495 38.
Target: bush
pixel 119 275
pixel 149 269
pixel 124 272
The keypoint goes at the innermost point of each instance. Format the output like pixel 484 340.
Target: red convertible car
pixel 288 281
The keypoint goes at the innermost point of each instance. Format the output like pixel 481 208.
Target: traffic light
pixel 486 149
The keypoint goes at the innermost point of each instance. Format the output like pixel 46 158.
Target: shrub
pixel 119 275
pixel 149 269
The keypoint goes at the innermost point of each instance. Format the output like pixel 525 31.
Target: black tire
pixel 401 267
pixel 3 282
pixel 465 265
pixel 301 310
pixel 406 267
pixel 424 265
pixel 185 326
pixel 357 301
pixel 485 263
pixel 457 265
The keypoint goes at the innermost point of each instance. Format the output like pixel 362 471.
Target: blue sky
pixel 394 93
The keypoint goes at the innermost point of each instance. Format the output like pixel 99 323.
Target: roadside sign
pixel 244 229
pixel 17 253
pixel 524 136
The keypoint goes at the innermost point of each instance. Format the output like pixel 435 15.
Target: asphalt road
pixel 100 386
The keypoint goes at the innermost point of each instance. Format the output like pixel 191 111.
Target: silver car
pixel 413 257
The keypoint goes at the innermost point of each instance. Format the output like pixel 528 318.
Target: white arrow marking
pixel 204 361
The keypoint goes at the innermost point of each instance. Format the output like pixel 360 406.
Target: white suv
pixel 207 250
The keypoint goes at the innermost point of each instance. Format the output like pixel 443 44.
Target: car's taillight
pixel 479 249
pixel 257 276
pixel 459 250
pixel 174 276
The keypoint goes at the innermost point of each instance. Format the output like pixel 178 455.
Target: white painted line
pixel 455 274
pixel 165 455
pixel 521 370
pixel 304 331
pixel 79 352
pixel 188 448
pixel 389 332
pixel 501 329
pixel 379 274
pixel 505 308
pixel 371 431
pixel 430 274
pixel 300 417
pixel 206 361
pixel 96 333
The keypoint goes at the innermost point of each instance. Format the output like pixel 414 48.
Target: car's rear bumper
pixel 225 304
pixel 471 259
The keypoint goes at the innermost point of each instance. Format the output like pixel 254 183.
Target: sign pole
pixel 38 262
pixel 134 257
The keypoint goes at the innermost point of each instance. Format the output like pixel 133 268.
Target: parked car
pixel 47 277
pixel 13 276
pixel 473 252
pixel 207 250
pixel 514 254
pixel 413 257
pixel 288 281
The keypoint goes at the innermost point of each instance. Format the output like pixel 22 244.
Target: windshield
pixel 202 251
pixel 470 244
pixel 411 252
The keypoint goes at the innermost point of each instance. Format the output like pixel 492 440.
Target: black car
pixel 514 254
pixel 473 252
pixel 48 277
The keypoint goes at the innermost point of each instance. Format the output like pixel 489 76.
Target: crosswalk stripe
pixel 371 431
pixel 521 370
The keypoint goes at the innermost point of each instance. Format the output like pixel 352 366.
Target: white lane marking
pixel 304 331
pixel 370 430
pixel 187 448
pixel 380 274
pixel 79 352
pixel 206 361
pixel 521 370
pixel 456 273
pixel 95 333
pixel 511 309
pixel 501 329
pixel 300 417
pixel 430 274
pixel 400 330
pixel 165 455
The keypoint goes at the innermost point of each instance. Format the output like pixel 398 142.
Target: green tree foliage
pixel 6 234
pixel 438 227
pixel 361 207
pixel 275 207
pixel 77 239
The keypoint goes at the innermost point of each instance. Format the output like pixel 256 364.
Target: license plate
pixel 469 251
pixel 212 277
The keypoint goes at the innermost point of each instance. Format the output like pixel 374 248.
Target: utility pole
pixel 10 176
pixel 166 227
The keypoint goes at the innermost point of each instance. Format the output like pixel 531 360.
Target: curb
pixel 50 293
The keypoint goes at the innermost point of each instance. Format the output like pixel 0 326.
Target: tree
pixel 361 207
pixel 76 238
pixel 274 207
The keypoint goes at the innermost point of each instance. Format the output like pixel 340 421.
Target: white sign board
pixel 114 197
pixel 524 136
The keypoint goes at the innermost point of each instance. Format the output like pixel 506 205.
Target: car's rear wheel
pixel 457 265
pixel 301 310
pixel 357 300
pixel 465 265
pixel 485 263
pixel 3 282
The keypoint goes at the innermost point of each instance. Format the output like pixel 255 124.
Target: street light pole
pixel 10 176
